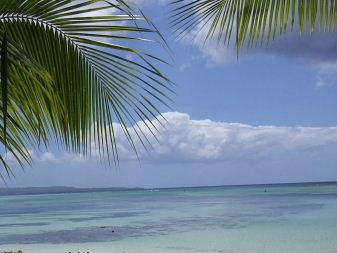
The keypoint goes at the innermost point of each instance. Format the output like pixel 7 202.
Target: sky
pixel 268 117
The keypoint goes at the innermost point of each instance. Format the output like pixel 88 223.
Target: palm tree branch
pixel 254 20
pixel 81 80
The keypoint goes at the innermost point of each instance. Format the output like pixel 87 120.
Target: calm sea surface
pixel 298 218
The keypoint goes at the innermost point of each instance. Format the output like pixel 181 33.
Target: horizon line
pixel 72 189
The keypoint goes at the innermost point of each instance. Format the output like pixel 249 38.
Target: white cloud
pixel 58 157
pixel 47 157
pixel 188 140
pixel 327 74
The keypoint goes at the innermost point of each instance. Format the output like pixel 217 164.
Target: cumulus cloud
pixel 50 157
pixel 188 140
pixel 185 140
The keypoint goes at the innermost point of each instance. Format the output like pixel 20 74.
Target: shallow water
pixel 247 219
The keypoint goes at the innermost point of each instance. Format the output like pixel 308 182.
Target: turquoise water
pixel 248 219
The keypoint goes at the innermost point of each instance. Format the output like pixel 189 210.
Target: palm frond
pixel 69 78
pixel 250 21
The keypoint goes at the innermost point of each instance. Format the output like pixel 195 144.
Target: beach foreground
pixel 248 219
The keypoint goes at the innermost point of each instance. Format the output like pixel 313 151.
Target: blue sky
pixel 268 117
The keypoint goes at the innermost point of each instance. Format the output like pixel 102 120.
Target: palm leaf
pixel 68 78
pixel 250 21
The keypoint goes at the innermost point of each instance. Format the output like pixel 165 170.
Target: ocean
pixel 290 218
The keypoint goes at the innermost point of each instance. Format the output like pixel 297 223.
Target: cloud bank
pixel 184 140
pixel 188 140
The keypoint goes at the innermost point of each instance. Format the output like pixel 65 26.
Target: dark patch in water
pixel 102 217
pixel 112 233
pixel 196 223
pixel 80 235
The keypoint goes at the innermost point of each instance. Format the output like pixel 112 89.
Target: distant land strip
pixel 63 189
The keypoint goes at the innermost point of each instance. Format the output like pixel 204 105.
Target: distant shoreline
pixel 65 190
